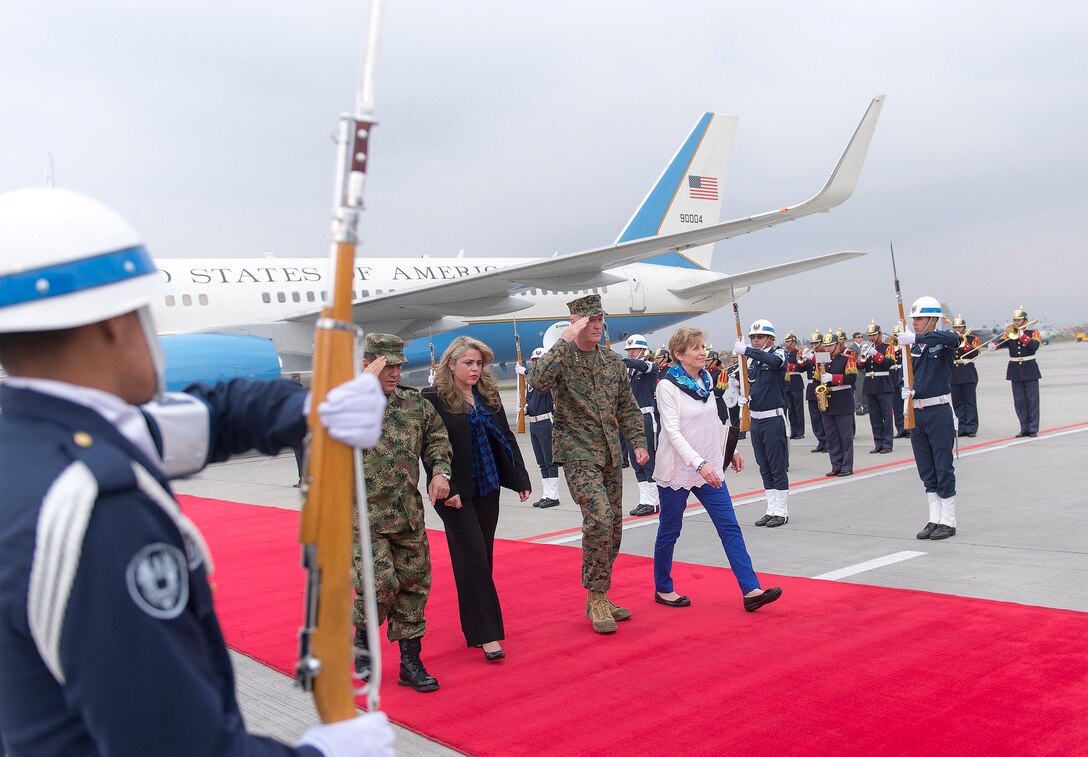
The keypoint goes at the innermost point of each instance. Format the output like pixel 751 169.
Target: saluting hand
pixel 375 366
pixel 576 327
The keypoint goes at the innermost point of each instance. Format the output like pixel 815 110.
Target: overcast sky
pixel 519 129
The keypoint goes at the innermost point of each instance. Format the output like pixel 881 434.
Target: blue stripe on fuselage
pixel 499 336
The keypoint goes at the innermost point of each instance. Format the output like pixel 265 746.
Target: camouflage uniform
pixel 411 430
pixel 593 403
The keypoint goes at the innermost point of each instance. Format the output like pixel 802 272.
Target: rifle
pixel 908 366
pixel 521 382
pixel 742 363
pixel 334 470
pixel 607 341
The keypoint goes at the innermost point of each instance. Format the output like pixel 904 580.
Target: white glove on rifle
pixel 520 369
pixel 739 347
pixel 827 378
pixel 906 337
pixel 430 379
pixel 353 411
pixel 742 400
pixel 907 393
pixel 731 395
pixel 368 735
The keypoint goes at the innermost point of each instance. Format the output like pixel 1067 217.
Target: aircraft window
pixel 186 300
pixel 377 291
pixel 281 297
pixel 296 297
pixel 170 300
pixel 324 295
pixel 365 293
pixel 203 299
pixel 604 289
pixel 309 296
pixel 266 297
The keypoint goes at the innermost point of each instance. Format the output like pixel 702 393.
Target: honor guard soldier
pixel 767 408
pixel 714 365
pixel 538 409
pixel 965 378
pixel 413 432
pixel 809 367
pixel 795 388
pixel 662 359
pixel 874 362
pixel 838 378
pixel 592 399
pixel 932 354
pixel 108 633
pixel 1022 343
pixel 642 373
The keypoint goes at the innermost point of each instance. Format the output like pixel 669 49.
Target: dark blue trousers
pixel 772 451
pixel 795 412
pixel 645 472
pixel 932 439
pixel 1025 397
pixel 840 440
pixel 816 418
pixel 965 402
pixel 897 409
pixel 719 506
pixel 882 419
pixel 541 434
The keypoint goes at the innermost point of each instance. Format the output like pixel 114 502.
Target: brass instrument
pixel 823 392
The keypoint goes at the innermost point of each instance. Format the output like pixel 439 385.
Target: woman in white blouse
pixel 690 459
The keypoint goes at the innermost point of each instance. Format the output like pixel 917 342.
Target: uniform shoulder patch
pixel 158 580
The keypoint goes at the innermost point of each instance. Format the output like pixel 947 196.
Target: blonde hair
pixel 683 339
pixel 451 396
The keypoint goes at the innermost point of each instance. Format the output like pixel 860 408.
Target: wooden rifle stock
pixel 908 365
pixel 742 365
pixel 521 383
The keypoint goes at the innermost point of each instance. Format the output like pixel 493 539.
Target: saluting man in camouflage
pixel 593 403
pixel 412 430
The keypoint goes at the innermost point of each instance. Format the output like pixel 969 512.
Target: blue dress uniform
pixel 795 394
pixel 934 433
pixel 109 634
pixel 767 408
pixel 965 386
pixel 815 417
pixel 538 410
pixel 880 394
pixel 1024 374
pixel 643 376
pixel 839 419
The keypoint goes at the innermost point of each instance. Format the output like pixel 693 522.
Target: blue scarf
pixel 689 386
pixel 485 472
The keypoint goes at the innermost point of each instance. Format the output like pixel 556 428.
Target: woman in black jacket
pixel 485 457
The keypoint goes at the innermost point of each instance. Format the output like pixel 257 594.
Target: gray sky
pixel 519 129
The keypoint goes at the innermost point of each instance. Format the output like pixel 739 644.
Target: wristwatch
pixel 447 475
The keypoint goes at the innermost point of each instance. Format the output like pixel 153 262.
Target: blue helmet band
pixel 75 276
pixel 930 311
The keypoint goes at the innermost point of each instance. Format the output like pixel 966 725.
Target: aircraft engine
pixel 217 357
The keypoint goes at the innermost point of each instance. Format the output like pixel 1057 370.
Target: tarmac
pixel 1022 532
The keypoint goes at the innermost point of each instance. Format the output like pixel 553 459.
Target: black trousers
pixel 795 412
pixel 772 451
pixel 1025 398
pixel 816 419
pixel 882 419
pixel 840 440
pixel 932 440
pixel 540 432
pixel 965 403
pixel 470 533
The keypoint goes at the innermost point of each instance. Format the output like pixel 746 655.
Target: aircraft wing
pixel 760 275
pixel 438 307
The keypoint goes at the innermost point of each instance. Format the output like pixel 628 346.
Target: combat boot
pixel 600 613
pixel 362 655
pixel 618 613
pixel 412 672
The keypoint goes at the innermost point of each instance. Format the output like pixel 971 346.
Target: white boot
pixel 782 503
pixel 776 505
pixel 934 507
pixel 652 498
pixel 551 488
pixel 643 495
pixel 948 512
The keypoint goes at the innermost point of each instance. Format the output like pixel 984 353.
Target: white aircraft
pixel 255 316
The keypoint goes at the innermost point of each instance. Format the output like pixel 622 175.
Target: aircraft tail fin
pixel 688 194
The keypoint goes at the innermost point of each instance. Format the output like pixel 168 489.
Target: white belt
pixel 1021 359
pixel 535 418
pixel 761 414
pixel 841 387
pixel 871 374
pixel 648 410
pixel 944 399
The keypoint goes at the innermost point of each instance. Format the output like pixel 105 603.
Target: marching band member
pixel 1022 344
pixel 932 353
pixel 965 378
pixel 795 388
pixel 807 364
pixel 875 359
pixel 839 376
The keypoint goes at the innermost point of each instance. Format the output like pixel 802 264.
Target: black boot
pixel 362 655
pixel 412 672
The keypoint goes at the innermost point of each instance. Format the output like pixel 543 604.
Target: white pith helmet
pixel 537 353
pixel 636 342
pixel 67 260
pixel 762 327
pixel 925 307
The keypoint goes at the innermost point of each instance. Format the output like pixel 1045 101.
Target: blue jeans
pixel 719 507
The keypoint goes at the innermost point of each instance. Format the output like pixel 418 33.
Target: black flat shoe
pixel 680 601
pixel 492 656
pixel 925 532
pixel 942 532
pixel 843 473
pixel 751 604
pixel 885 451
pixel 875 451
pixel 777 520
pixel 546 503
pixel 831 473
pixel 763 521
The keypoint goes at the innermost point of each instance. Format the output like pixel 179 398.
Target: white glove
pixel 905 337
pixel 742 400
pixel 430 379
pixel 867 350
pixel 992 347
pixel 368 735
pixel 826 378
pixel 907 393
pixel 732 395
pixel 739 347
pixel 806 355
pixel 520 369
pixel 353 411
pixel 734 382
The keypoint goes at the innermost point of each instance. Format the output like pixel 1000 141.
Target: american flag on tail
pixel 703 187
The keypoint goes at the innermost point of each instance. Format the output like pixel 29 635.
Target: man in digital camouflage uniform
pixel 412 430
pixel 593 403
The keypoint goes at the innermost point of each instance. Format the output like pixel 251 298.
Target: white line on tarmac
pixel 905 465
pixel 861 567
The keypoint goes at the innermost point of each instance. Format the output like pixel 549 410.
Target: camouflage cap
pixel 589 305
pixel 385 345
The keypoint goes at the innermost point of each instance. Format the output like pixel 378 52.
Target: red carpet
pixel 832 668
